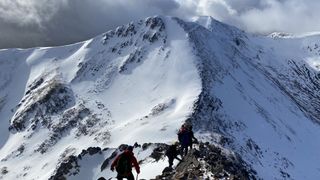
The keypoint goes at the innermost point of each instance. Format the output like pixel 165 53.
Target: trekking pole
pixel 137 158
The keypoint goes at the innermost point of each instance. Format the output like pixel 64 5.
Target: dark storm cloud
pixel 55 22
pixel 28 23
pixel 79 21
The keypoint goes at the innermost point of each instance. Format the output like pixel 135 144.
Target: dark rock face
pixel 107 161
pixel 156 26
pixel 303 87
pixel 70 166
pixel 209 159
pixel 155 22
pixel 159 108
pixel 79 118
pixel 224 166
pixel 64 168
pixel 51 104
pixel 92 151
pixel 133 59
pixel 299 82
pixel 4 170
pixel 131 41
pixel 41 102
pixel 19 151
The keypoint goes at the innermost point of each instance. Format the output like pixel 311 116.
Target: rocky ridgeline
pixel 132 42
pixel 154 25
pixel 209 162
pixel 205 162
pixel 69 165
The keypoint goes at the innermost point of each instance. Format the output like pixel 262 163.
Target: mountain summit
pixel 254 97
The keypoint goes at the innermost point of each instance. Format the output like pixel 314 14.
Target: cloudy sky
pixel 29 23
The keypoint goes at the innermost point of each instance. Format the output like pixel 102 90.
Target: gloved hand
pixel 112 169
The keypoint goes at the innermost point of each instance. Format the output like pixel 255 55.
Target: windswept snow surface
pixel 14 74
pixel 268 94
pixel 256 96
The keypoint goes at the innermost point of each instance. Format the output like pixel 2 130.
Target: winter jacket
pixel 133 161
pixel 184 137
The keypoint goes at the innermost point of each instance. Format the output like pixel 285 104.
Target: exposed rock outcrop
pixel 209 162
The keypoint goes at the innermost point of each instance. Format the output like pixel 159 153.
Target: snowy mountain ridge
pixel 254 96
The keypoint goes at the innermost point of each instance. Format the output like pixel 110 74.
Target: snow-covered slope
pixel 262 96
pixel 255 96
pixel 135 84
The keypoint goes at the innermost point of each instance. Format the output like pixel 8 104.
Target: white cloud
pixel 27 23
pixel 263 16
